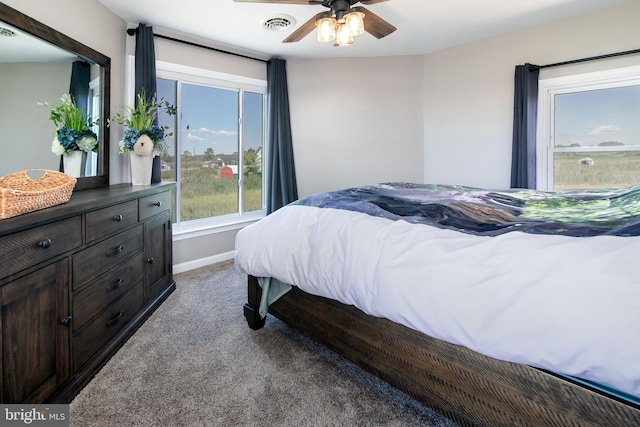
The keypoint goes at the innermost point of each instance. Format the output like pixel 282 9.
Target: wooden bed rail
pixel 463 385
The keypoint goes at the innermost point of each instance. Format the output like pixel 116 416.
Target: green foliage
pixel 204 194
pixel 610 144
pixel 67 115
pixel 142 116
pixel 252 181
pixel 251 166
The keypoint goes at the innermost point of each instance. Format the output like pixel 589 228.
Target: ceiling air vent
pixel 5 32
pixel 278 22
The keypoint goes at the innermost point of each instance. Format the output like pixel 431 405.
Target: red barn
pixel 229 172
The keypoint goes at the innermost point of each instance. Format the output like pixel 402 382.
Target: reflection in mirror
pixel 38 65
pixel 34 72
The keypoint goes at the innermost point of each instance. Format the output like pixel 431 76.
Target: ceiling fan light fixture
pixel 355 22
pixel 340 14
pixel 326 29
pixel 343 35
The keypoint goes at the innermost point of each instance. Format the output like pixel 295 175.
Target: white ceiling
pixel 23 47
pixel 423 26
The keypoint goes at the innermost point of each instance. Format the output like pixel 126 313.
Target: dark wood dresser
pixel 77 280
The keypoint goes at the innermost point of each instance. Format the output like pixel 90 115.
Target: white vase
pixel 141 167
pixel 74 163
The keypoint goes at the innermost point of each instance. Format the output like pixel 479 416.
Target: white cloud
pixel 217 132
pixel 192 137
pixel 226 132
pixel 605 129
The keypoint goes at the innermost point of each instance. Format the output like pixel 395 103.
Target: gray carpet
pixel 195 362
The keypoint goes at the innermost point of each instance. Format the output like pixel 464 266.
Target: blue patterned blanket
pixel 477 211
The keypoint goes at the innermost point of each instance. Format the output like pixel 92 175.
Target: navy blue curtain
pixel 145 61
pixel 281 186
pixel 79 90
pixel 79 86
pixel 525 112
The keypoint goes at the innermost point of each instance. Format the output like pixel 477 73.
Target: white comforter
pixel 567 304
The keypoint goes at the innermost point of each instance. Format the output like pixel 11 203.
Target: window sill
pixel 205 227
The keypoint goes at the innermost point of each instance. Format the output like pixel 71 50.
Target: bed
pixel 513 307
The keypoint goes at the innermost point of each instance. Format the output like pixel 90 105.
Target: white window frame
pixel 193 75
pixel 94 101
pixel 547 89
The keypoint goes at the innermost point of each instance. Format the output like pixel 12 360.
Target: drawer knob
pixel 150 260
pixel 115 251
pixel 45 244
pixel 158 204
pixel 115 319
pixel 66 321
pixel 118 218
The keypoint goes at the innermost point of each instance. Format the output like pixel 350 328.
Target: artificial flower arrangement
pixel 143 136
pixel 73 127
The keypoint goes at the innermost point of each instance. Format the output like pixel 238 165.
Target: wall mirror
pixel 36 65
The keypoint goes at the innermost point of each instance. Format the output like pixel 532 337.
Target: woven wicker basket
pixel 19 193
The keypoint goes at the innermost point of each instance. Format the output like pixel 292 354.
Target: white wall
pixel 468 91
pixel 92 24
pixel 193 56
pixel 356 121
pixel 30 132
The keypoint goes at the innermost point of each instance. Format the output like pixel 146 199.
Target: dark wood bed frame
pixel 466 387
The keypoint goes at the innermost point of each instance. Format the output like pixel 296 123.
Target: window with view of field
pixel 590 131
pixel 216 151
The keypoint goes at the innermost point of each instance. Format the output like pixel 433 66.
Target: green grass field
pixel 608 170
pixel 204 194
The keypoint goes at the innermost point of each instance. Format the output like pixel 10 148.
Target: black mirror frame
pixel 44 32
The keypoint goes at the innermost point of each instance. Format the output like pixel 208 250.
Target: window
pixel 94 111
pixel 589 131
pixel 216 151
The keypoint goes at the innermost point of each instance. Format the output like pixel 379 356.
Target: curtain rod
pixel 593 58
pixel 133 31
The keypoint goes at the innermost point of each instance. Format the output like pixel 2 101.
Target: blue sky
pixel 592 117
pixel 209 117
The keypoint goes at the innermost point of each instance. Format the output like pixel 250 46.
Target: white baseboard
pixel 202 262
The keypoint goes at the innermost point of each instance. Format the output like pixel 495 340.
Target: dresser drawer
pixel 105 255
pixel 105 325
pixel 30 247
pixel 105 290
pixel 111 220
pixel 152 205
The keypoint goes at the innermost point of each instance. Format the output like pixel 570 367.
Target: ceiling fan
pixel 338 9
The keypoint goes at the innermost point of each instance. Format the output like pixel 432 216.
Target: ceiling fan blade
pixel 304 29
pixel 375 25
pixel 281 1
pixel 372 1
